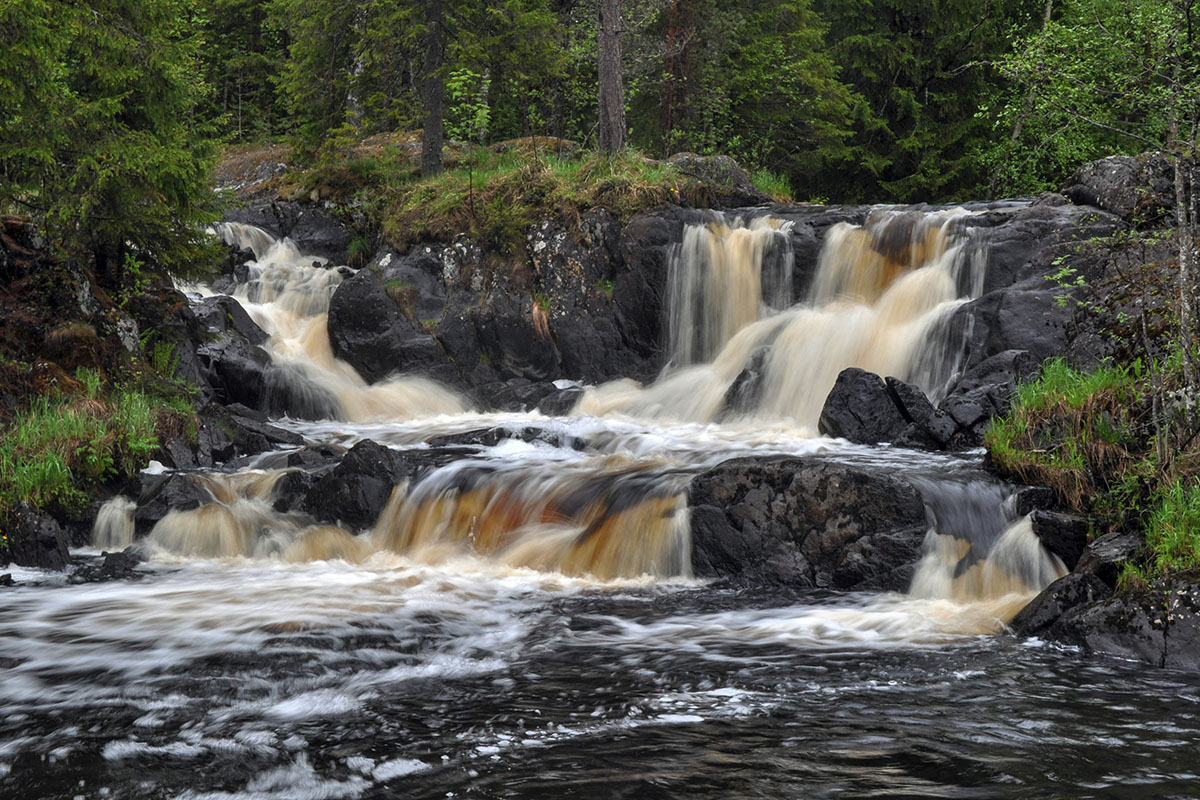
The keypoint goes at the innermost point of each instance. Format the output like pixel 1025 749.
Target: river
pixel 523 620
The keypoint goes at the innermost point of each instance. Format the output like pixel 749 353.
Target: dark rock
pixel 860 409
pixel 227 432
pixel 1183 624
pixel 560 402
pixel 805 524
pixel 513 333
pixel 235 369
pixel 1065 594
pixel 1137 188
pixel 355 491
pixel 910 400
pixel 1105 556
pixel 291 490
pixel 367 330
pixel 417 281
pixel 1064 535
pixel 165 492
pixel 113 566
pixel 318 233
pixel 6 580
pixel 519 394
pixel 1027 499
pixel 287 391
pixel 35 540
pixel 731 185
pixel 222 314
pixel 1126 626
pixel 490 437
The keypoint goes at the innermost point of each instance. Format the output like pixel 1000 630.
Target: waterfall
pixel 287 294
pixel 607 523
pixel 723 276
pixel 878 301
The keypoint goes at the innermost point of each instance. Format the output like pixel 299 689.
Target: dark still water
pixel 243 679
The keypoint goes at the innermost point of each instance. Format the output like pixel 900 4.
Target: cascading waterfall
pixel 604 521
pixel 878 301
pixel 521 605
pixel 879 294
pixel 723 276
pixel 287 295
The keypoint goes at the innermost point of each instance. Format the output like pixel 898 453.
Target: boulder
pixel 1105 556
pixel 805 524
pixel 1064 535
pixel 1065 594
pixel 730 184
pixel 1137 188
pixel 355 491
pixel 165 492
pixel 368 330
pixel 34 540
pixel 859 408
pixel 230 356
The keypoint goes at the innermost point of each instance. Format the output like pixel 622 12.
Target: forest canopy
pixel 112 112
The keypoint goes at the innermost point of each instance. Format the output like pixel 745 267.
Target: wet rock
pixel 1028 499
pixel 860 409
pixel 291 490
pixel 319 233
pixel 222 314
pixel 415 280
pixel 34 540
pixel 230 357
pixel 490 437
pixel 1105 556
pixel 560 402
pixel 287 391
pixel 367 329
pixel 1064 535
pixel 355 491
pixel 1065 594
pixel 805 524
pixel 513 333
pixel 162 493
pixel 515 394
pixel 1125 626
pixel 121 566
pixel 227 432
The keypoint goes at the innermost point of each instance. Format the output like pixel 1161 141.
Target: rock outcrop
pixel 805 524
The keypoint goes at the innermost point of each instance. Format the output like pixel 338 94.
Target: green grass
pixel 1067 430
pixel 773 185
pixel 494 195
pixel 62 448
pixel 1173 530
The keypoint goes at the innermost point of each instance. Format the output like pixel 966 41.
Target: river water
pixel 495 636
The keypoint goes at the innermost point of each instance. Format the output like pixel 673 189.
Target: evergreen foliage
pixel 100 135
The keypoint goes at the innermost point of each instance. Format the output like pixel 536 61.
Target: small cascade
pixel 288 294
pixel 615 522
pixel 722 277
pixel 879 301
pixel 975 554
pixel 113 528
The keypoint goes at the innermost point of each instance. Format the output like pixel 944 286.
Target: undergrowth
pixel 64 447
pixel 495 194
pixel 1095 440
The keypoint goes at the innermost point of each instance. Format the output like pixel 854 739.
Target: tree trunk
pixel 434 92
pixel 612 88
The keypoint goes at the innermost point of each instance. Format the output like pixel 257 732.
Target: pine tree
pixel 99 132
